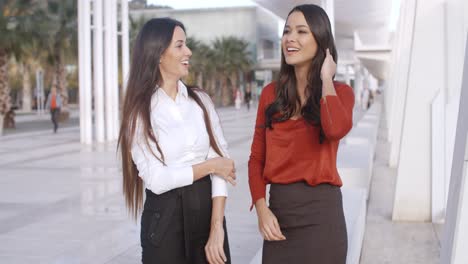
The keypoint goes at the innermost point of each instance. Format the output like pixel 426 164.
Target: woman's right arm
pixel 267 221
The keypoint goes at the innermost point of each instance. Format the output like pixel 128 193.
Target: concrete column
pixel 455 236
pixel 84 50
pixel 413 186
pixel 457 29
pixel 329 6
pixel 108 60
pixel 125 45
pixel 115 71
pixel 347 75
pixel 438 200
pixel 98 72
pixel 357 83
pixel 400 84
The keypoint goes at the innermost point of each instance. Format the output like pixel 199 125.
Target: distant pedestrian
pixel 248 97
pixel 54 103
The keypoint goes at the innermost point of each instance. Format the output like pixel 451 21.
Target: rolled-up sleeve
pixel 157 177
pixel 218 184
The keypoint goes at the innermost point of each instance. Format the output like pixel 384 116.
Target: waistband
pixel 190 202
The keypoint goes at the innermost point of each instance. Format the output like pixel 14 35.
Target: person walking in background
pixel 300 120
pixel 247 97
pixel 172 142
pixel 54 103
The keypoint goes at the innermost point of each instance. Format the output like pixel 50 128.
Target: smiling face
pixel 298 43
pixel 175 59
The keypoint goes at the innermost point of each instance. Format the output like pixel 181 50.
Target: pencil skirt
pixel 312 220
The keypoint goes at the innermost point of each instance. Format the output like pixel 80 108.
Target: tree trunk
pixel 60 79
pixel 234 85
pixel 63 85
pixel 2 117
pixel 27 97
pixel 200 81
pixel 226 94
pixel 5 99
pixel 214 92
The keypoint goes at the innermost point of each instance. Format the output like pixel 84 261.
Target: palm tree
pixel 60 40
pixel 135 25
pixel 201 64
pixel 231 57
pixel 29 59
pixel 14 15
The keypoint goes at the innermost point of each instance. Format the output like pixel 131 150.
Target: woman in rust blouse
pixel 300 120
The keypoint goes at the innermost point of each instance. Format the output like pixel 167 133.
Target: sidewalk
pixel 34 122
pixel 61 202
pixel 386 241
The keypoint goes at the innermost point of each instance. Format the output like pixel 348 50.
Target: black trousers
pixel 175 225
pixel 54 114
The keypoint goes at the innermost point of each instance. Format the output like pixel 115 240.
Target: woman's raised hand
pixel 328 67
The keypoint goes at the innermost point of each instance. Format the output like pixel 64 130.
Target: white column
pixel 438 200
pixel 357 83
pixel 108 82
pixel 81 66
pixel 401 74
pixel 329 6
pixel 347 75
pixel 413 186
pixel 115 71
pixel 455 236
pixel 98 72
pixel 84 43
pixel 125 45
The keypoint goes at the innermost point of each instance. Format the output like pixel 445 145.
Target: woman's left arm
pixel 214 248
pixel 336 104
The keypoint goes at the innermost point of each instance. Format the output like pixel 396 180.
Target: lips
pixel 291 50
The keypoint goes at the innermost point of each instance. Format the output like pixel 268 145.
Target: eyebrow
pixel 298 26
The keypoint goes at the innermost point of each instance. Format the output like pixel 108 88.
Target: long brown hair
pixel 287 99
pixel 144 77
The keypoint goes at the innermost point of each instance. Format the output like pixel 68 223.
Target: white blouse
pixel 179 128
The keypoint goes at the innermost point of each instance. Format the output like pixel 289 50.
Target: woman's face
pixel 175 59
pixel 298 43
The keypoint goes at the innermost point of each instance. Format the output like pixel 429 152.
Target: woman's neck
pixel 301 81
pixel 170 87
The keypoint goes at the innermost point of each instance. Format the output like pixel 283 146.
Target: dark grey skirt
pixel 312 220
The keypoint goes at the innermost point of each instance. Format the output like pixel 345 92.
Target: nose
pixel 189 52
pixel 290 38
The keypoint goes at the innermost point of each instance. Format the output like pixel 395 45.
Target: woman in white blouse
pixel 172 143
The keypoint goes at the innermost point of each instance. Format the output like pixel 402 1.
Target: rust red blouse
pixel 291 152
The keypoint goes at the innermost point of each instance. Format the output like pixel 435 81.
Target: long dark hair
pixel 287 100
pixel 143 81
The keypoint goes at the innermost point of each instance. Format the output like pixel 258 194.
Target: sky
pixel 183 4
